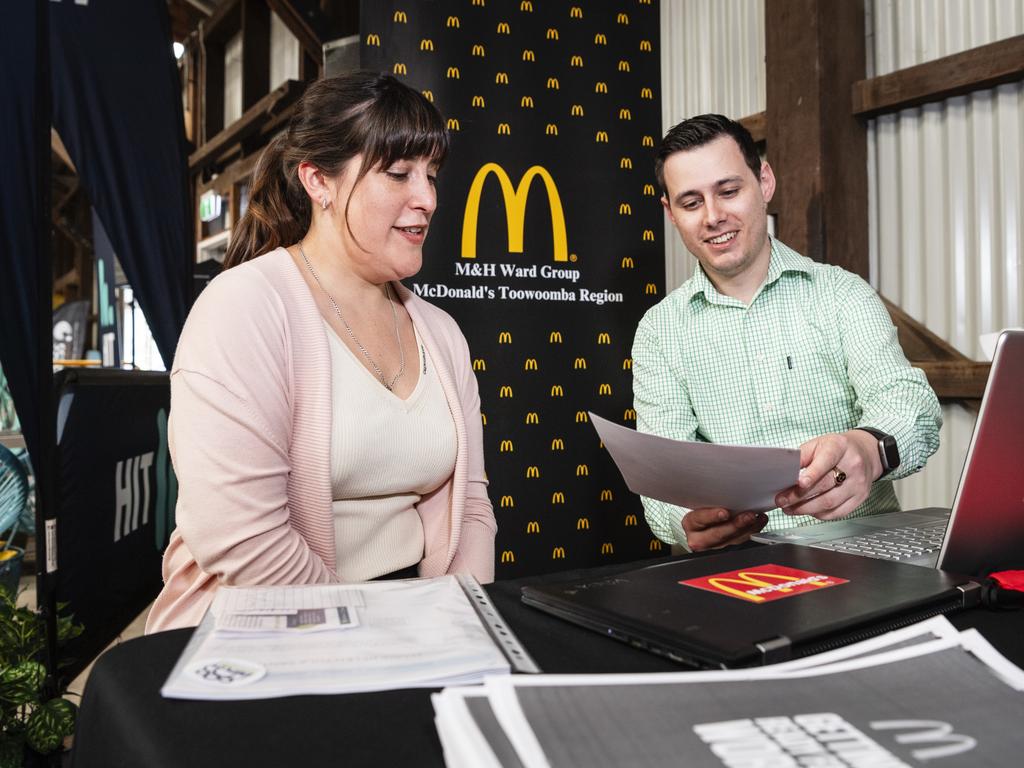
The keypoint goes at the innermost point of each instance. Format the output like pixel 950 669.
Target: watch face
pixel 890 453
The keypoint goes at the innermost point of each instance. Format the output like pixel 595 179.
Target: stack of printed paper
pixel 257 643
pixel 924 695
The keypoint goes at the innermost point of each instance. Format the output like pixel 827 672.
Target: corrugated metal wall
pixel 712 60
pixel 946 190
pixel 946 181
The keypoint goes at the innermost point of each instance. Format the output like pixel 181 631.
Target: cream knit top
pixel 386 454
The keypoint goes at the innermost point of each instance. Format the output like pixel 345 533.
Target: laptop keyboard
pixel 892 543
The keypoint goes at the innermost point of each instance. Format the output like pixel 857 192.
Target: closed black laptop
pixel 756 605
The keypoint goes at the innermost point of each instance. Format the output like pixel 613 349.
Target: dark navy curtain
pixel 117 107
pixel 19 285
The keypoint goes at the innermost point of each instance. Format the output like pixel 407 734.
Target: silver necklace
pixel 394 316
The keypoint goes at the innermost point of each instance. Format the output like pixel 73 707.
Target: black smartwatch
pixel 888 451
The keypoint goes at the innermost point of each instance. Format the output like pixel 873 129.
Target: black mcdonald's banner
pixel 547 245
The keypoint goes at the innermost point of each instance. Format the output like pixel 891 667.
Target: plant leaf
pixel 49 724
pixel 20 684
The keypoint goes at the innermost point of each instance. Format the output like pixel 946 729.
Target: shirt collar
pixel 782 259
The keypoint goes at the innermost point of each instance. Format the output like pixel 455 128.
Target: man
pixel 762 346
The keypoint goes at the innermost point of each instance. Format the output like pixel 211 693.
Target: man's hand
pixel 711 527
pixel 850 457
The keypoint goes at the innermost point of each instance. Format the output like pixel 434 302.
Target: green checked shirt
pixel 815 352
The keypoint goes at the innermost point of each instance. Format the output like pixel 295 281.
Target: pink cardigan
pixel 249 436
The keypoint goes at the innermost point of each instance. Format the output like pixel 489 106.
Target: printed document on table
pixel 410 634
pixel 691 474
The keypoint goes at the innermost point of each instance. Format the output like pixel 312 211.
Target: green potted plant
pixel 33 719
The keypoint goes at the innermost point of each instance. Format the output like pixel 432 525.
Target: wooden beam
pixel 60 150
pixel 255 51
pixel 984 67
pixel 962 380
pixel 308 40
pixel 814 52
pixel 919 343
pixel 757 124
pixel 251 121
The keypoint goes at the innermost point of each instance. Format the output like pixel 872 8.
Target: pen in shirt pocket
pixel 789 362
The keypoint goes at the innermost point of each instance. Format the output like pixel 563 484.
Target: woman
pixel 325 422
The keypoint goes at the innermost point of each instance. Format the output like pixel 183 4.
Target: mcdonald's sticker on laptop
pixel 763 583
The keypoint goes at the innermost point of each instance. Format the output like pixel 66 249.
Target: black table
pixel 125 722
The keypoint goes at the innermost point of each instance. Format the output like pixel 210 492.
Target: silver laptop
pixel 984 531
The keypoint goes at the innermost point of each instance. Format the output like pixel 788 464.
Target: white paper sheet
pixel 690 474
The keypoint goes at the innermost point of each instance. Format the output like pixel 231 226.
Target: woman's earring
pixel 323 203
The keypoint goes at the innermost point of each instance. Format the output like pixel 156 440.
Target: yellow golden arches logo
pixel 627 262
pixel 552 33
pixel 550 129
pixel 629 414
pixel 505 391
pixel 479 2
pixel 506 447
pixel 453 124
pixel 607 548
pixel 648 235
pixel 526 102
pixel 582 470
pixel 645 45
pixel 647 141
pixel 555 337
pixel 399 69
pixel 558 553
pixel 373 39
pixel 532 418
pixel 504 130
pixel 600 87
pixel 429 96
pixel 532 471
pixel 604 338
pixel 580 363
pixel 504 337
pixel 483 418
pixel 558 444
pixel 576 110
pixel 557 391
pixel 646 93
pixel 627 364
pixel 452 74
pixel 507 501
pixel 533 526
pixel 606 495
pixel 604 389
pixel 508 556
pixel 581 417
pixel 655 545
pixel 478 50
pixel 526 6
pixel 529 55
pixel 757 579
pixel 622 18
pixel 453 22
pixel 600 39
pixel 504 28
pixel 576 61
pixel 625 114
pixel 501 78
pixel 515 210
pixel 649 190
pixel 625 163
pixel 552 83
pixel 530 364
pixel 582 524
pixel 558 497
pixel 479 364
pixel 575 12
pixel 400 17
pixel 601 137
pixel 625 209
pixel 426 45
pixel 630 521
pixel 623 65
pixel 651 289
pixel 478 101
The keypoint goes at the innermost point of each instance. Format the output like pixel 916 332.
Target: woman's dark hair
pixel 336 119
pixel 700 130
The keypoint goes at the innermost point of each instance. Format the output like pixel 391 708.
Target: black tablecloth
pixel 125 722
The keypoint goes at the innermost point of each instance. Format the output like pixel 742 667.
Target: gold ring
pixel 839 475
